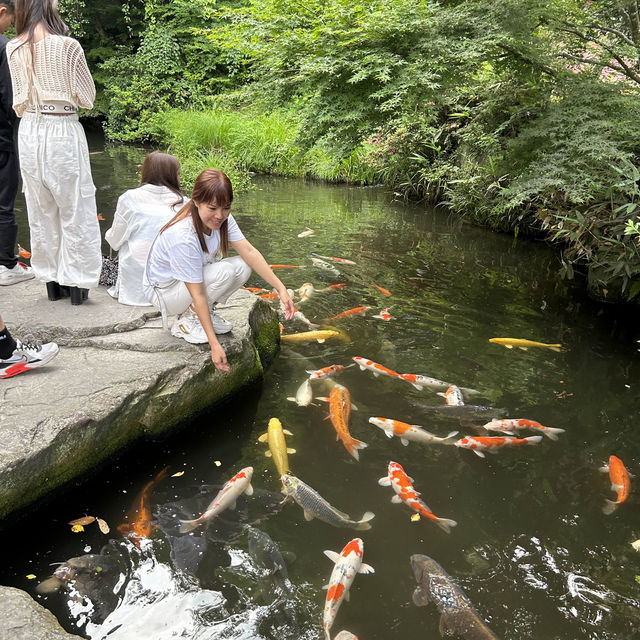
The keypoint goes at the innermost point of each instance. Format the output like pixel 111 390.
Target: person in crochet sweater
pixel 50 80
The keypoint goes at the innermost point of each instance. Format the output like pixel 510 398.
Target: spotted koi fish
pixel 383 315
pixel 620 483
pixel 356 311
pixel 327 371
pixel 339 414
pixel 513 425
pixel 225 499
pixel 404 492
pixel 479 444
pixel 382 290
pixel 453 396
pixel 306 291
pixel 347 564
pixel 374 367
pixel 407 432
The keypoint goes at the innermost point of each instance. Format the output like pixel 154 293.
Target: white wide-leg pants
pixel 60 197
pixel 221 279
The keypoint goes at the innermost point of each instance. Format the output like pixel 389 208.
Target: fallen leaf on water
pixel 77 528
pixel 415 517
pixel 217 463
pixel 84 520
pixel 31 576
pixel 178 474
pixel 104 527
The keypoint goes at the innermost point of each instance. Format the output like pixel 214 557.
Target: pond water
pixel 532 549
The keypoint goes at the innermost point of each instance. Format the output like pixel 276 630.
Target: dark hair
pixel 10 5
pixel 163 170
pixel 31 13
pixel 211 185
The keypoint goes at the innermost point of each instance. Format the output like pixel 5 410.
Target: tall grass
pixel 242 141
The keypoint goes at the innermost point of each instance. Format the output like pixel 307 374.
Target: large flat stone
pixel 119 377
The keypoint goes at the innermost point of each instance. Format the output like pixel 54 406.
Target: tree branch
pixel 605 65
pixel 517 54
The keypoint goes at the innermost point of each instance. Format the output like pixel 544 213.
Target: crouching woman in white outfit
pixel 183 273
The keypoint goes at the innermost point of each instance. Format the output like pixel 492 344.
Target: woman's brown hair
pixel 31 13
pixel 211 185
pixel 163 170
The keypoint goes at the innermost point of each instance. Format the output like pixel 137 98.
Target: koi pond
pixel 532 549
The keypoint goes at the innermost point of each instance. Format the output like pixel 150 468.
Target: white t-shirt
pixel 177 254
pixel 140 214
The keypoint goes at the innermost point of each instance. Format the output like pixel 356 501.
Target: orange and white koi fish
pixel 23 253
pixel 347 564
pixel 620 483
pixel 339 414
pixel 286 266
pixel 420 382
pixel 327 371
pixel 140 516
pixel 524 344
pixel 384 315
pixel 339 260
pixel 306 291
pixel 478 444
pixel 254 289
pixel 374 367
pixel 356 311
pixel 100 217
pixel 225 499
pixel 403 487
pixel 513 425
pixel 382 290
pixel 307 233
pixel 453 396
pixel 407 432
pixel 298 315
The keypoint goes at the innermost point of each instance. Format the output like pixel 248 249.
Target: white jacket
pixel 139 215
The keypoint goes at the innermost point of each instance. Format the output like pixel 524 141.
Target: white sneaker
pixel 220 325
pixel 189 328
pixel 19 273
pixel 27 356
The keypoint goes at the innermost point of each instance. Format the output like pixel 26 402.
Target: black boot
pixel 78 295
pixel 53 291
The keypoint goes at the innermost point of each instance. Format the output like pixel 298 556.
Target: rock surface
pixel 119 377
pixel 22 618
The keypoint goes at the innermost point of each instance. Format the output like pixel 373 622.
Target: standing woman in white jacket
pixel 139 215
pixel 50 80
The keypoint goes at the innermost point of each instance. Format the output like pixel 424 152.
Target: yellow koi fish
pixel 308 336
pixel 524 344
pixel 277 445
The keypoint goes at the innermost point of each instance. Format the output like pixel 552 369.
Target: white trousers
pixel 60 197
pixel 220 280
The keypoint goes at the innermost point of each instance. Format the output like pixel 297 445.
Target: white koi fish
pixel 513 425
pixel 307 233
pixel 347 563
pixel 298 315
pixel 453 396
pixel 323 264
pixel 304 394
pixel 408 432
pixel 225 499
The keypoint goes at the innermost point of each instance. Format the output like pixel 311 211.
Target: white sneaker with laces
pixel 27 356
pixel 220 325
pixel 188 328
pixel 19 273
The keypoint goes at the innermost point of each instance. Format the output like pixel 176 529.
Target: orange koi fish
pixel 374 367
pixel 491 444
pixel 620 483
pixel 254 289
pixel 382 290
pixel 139 516
pixel 347 564
pixel 453 396
pixel 356 311
pixel 339 414
pixel 384 315
pixel 333 287
pixel 268 296
pixel 404 492
pixel 285 266
pixel 327 371
pixel 339 260
pixel 100 217
pixel 23 253
pixel 513 425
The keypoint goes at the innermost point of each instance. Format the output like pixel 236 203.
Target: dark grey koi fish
pixel 458 616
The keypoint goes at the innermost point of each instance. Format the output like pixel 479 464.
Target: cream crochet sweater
pixel 60 72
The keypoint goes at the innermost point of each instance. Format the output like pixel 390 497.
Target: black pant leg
pixel 8 192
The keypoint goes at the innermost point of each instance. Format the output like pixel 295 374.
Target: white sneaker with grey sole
pixel 189 328
pixel 19 273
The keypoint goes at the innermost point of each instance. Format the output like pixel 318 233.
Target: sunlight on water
pixel 532 549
